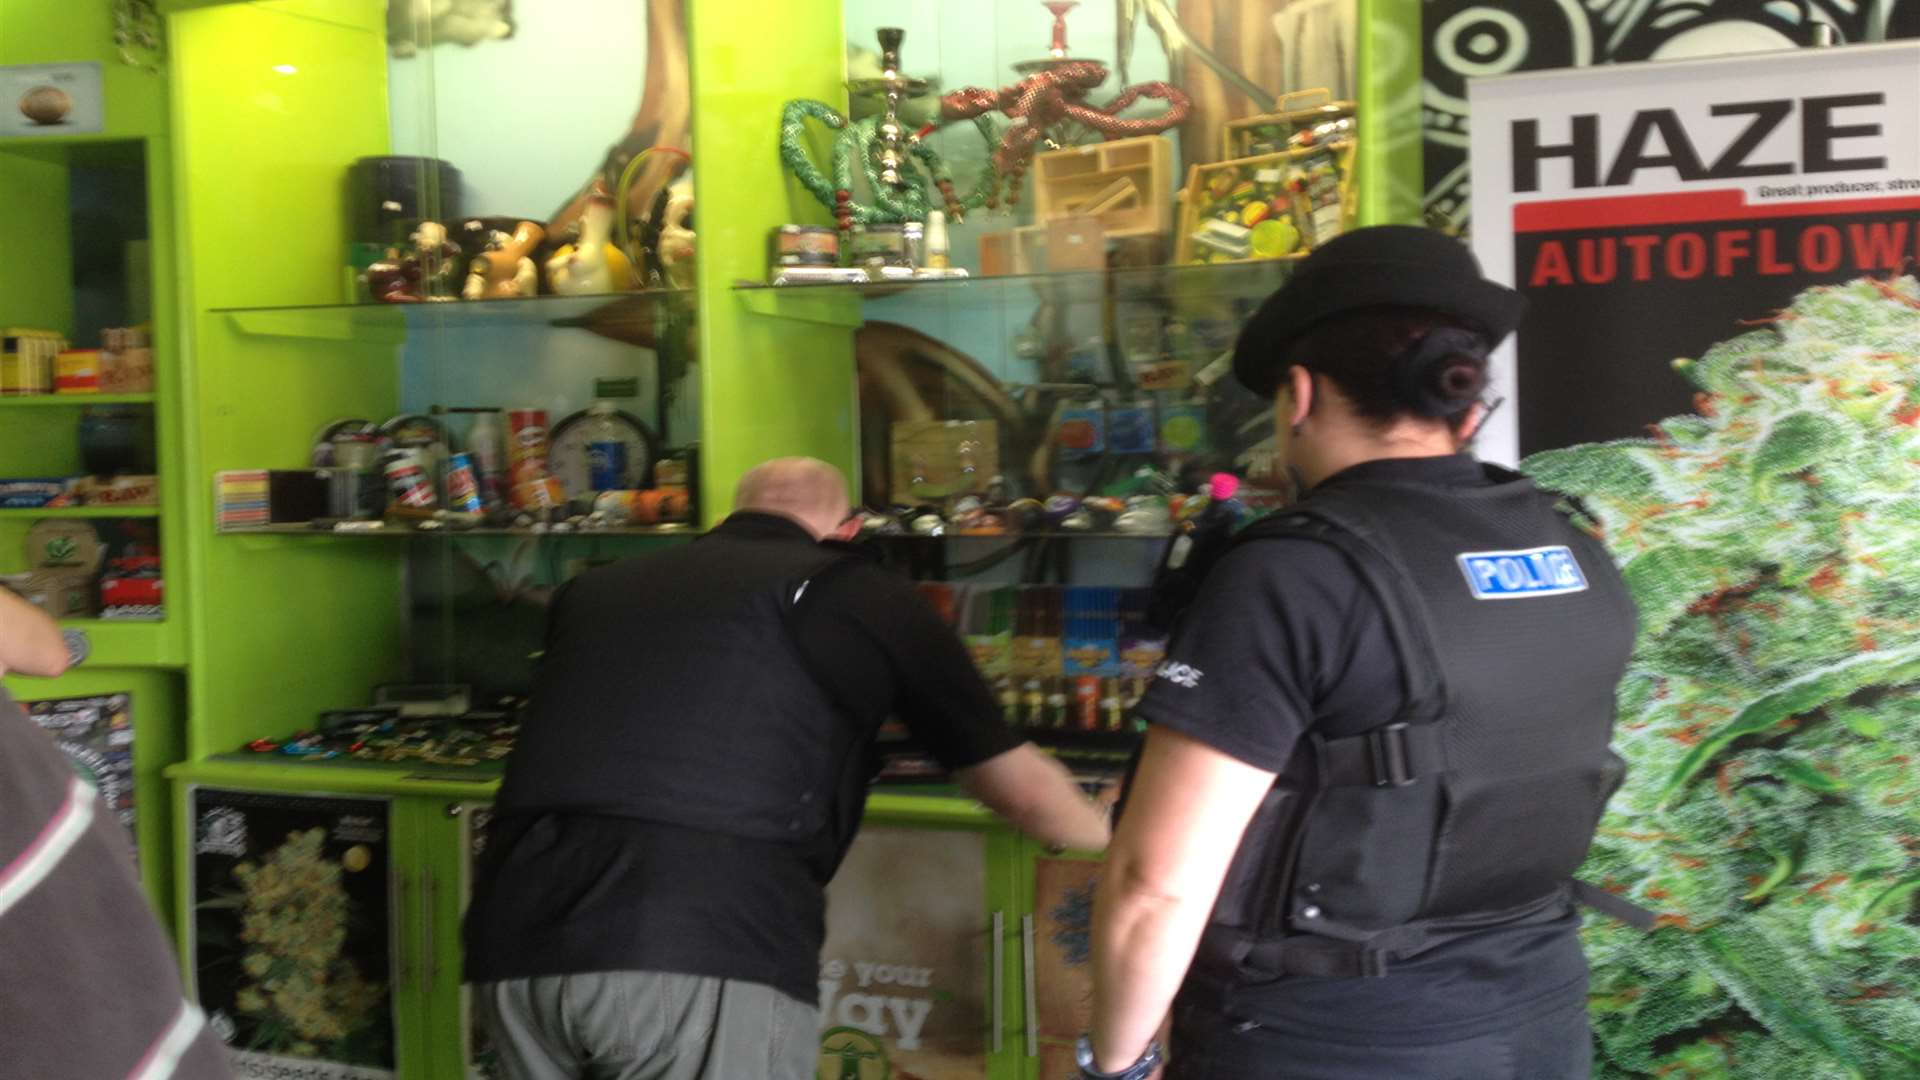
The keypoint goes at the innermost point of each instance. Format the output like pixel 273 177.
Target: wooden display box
pixel 1226 192
pixel 1127 184
pixel 1295 112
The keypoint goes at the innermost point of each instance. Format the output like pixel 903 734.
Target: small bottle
pixel 938 256
pixel 1057 713
pixel 1036 703
pixel 606 450
pixel 1111 705
pixel 1009 698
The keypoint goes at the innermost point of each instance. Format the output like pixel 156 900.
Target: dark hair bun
pixel 1442 373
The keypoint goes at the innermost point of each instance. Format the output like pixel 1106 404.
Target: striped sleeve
pixel 91 990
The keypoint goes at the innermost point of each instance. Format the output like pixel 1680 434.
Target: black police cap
pixel 1379 266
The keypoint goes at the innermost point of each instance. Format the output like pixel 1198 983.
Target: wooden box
pixel 1221 198
pixel 1269 132
pixel 1127 184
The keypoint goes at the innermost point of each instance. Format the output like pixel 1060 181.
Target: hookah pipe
pixel 884 148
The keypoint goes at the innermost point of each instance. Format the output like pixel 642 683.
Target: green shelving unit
pixel 39 179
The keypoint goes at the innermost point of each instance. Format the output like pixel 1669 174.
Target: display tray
pixel 480 772
pixel 1226 281
pixel 616 315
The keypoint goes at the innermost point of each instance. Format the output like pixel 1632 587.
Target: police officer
pixel 692 766
pixel 1379 747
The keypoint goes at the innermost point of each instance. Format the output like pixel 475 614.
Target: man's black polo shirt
pixel 570 893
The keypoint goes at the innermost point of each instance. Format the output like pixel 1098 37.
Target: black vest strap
pixel 1604 902
pixel 1392 756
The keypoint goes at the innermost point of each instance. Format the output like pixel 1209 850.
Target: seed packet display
pixel 292 934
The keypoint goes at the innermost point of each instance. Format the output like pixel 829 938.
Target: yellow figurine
pixel 595 264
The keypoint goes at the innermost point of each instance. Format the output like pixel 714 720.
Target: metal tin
pixel 463 490
pixel 879 246
pixel 408 482
pixel 804 245
pixel 544 493
pixel 527 445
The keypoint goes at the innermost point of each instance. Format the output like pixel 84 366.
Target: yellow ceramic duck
pixel 595 264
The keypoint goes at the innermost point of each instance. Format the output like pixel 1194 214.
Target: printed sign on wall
pixel 1722 362
pixel 51 99
pixel 903 974
pixel 292 931
pixel 96 734
pixel 1648 211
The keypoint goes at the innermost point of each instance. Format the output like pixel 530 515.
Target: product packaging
pixel 33 494
pixel 77 371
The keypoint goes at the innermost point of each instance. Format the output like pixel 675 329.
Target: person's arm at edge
pixel 1187 809
pixel 30 641
pixel 1039 797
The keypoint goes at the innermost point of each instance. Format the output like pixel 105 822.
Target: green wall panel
pixel 771 386
pixel 293 625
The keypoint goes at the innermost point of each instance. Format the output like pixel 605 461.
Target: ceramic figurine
pixel 438 259
pixel 676 241
pixel 594 264
pixel 394 278
pixel 506 269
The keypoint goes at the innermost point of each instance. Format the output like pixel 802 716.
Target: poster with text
pixel 96 734
pixel 1648 211
pixel 904 981
pixel 292 932
pixel 1722 363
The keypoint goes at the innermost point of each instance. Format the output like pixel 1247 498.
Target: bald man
pixel 691 769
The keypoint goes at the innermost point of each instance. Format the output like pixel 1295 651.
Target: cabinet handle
pixel 454 809
pixel 999 980
pixel 1030 985
pixel 429 915
pixel 403 965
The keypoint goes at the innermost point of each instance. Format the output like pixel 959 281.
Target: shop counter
pixel 955 947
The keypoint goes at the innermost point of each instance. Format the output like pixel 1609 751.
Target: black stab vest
pixel 674 693
pixel 1473 808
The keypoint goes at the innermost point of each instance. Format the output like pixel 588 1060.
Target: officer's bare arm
pixel 1186 811
pixel 30 643
pixel 1039 796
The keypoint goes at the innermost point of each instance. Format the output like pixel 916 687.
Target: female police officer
pixel 1378 749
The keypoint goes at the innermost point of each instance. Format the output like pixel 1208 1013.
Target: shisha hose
pixel 855 141
pixel 1053 96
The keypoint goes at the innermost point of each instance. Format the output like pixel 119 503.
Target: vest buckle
pixel 1388 754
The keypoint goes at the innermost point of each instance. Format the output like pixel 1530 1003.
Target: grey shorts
pixel 647 1025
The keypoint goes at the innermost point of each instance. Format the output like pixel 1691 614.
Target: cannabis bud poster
pixel 1721 361
pixel 292 932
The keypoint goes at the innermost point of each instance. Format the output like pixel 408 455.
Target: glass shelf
pixel 1217 281
pixel 38 512
pixel 301 528
pixel 616 315
pixel 28 401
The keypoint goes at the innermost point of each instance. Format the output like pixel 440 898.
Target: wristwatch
pixel 1139 1070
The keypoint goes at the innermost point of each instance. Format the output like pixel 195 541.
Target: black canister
pixel 388 196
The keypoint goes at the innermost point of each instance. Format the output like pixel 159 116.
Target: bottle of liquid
pixel 606 450
pixel 486 442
